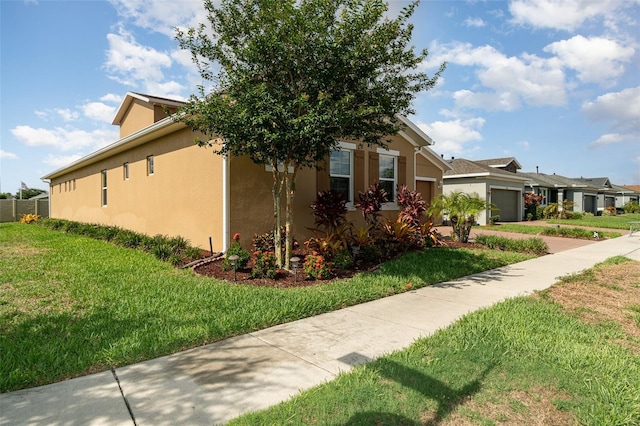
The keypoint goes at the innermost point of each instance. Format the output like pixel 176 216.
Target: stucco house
pixel 557 188
pixel 492 180
pixel 156 180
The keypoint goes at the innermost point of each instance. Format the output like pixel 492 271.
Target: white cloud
pixel 525 144
pixel 110 97
pixel 131 63
pixel 61 160
pixel 64 139
pixel 474 22
pixel 42 114
pixel 595 59
pixel 609 139
pixel 621 109
pixel 169 89
pixel 66 114
pixel 527 78
pixel 560 14
pixel 99 111
pixel 452 135
pixel 7 155
pixel 161 15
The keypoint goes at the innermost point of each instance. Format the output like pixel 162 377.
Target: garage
pixel 590 204
pixel 508 204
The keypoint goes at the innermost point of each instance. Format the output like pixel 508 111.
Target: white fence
pixel 12 210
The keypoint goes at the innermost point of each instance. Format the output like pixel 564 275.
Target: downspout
pixel 225 203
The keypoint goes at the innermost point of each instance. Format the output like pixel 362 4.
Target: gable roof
pixel 500 162
pixel 462 168
pixel 153 100
pixel 600 182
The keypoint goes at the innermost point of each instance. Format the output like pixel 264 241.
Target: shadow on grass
pixel 446 397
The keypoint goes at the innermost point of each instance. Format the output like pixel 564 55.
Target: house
pixel 556 188
pixel 156 180
pixel 606 193
pixel 625 194
pixel 492 180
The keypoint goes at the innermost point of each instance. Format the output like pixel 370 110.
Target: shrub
pixel 29 218
pixel 128 239
pixel 331 242
pixel 577 215
pixel 266 241
pixel 412 204
pixel 235 249
pixel 609 211
pixel 397 237
pixel 265 265
pixel 531 203
pixel 330 209
pixel 317 267
pixel 342 260
pixel 370 203
pixel 631 207
pixel 534 245
pixel 370 254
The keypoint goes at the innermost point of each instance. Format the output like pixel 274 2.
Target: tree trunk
pixel 277 192
pixel 290 183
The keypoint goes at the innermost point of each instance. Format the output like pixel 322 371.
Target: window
pixel 341 165
pixel 104 188
pixel 150 166
pixel 387 175
pixel 125 171
pixel 340 172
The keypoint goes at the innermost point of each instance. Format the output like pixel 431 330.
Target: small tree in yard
pixel 292 77
pixel 462 210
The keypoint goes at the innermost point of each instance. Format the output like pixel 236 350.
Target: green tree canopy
pixel 287 78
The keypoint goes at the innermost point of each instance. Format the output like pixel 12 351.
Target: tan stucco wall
pixel 138 116
pixel 183 197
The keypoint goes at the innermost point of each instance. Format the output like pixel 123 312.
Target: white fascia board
pixel 415 128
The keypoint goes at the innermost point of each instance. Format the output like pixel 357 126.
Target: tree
pixel 291 77
pixel 28 193
pixel 462 209
pixel 5 195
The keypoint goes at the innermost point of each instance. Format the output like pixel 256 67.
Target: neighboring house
pixel 557 188
pixel 606 193
pixel 625 194
pixel 156 180
pixel 491 180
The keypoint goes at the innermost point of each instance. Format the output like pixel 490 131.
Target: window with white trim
pixel 150 166
pixel 104 188
pixel 388 174
pixel 341 170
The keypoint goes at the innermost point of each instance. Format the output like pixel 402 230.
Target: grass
pixel 523 361
pixel 613 222
pixel 535 245
pixel 71 305
pixel 553 231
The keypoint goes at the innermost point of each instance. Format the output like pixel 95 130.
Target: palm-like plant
pixel 462 209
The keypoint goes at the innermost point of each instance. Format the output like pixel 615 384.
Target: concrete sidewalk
pixel 215 383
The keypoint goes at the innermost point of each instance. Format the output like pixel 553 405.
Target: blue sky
pixel 555 84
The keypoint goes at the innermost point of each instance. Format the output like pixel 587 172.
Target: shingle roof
pixel 461 166
pixel 499 162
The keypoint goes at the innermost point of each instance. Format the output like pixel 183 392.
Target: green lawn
pixel 565 231
pixel 614 222
pixel 523 361
pixel 70 305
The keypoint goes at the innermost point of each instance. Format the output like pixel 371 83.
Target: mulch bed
pixel 286 279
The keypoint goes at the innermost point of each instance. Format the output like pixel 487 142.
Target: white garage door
pixel 507 202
